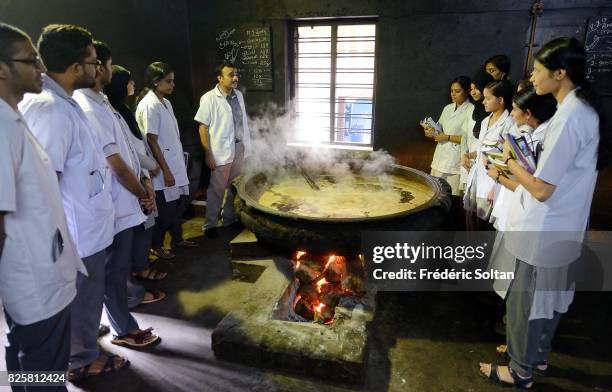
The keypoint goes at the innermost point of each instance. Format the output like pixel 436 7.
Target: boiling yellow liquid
pixel 354 197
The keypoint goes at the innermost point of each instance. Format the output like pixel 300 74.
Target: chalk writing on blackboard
pixel 250 50
pixel 598 45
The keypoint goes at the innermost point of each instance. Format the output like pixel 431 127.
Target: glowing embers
pixel 321 281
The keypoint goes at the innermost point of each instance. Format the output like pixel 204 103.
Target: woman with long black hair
pixel 551 219
pixel 469 143
pixel 445 162
pixel 480 190
pixel 117 92
pixel 531 113
pixel 156 119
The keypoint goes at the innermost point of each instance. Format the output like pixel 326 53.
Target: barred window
pixel 333 81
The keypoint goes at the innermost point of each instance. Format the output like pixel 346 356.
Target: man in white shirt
pixel 128 193
pixel 39 263
pixel 67 136
pixel 225 137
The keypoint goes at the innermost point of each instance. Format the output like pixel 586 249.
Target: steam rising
pixel 272 153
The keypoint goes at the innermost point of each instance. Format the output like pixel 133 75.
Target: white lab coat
pixel 216 113
pixel 71 143
pixel 158 118
pixel 550 233
pixel 447 156
pixel 478 173
pixel 502 206
pixel 37 273
pixel 113 135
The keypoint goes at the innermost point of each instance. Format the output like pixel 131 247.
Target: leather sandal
pixel 139 339
pixel 162 253
pixel 518 382
pixel 109 366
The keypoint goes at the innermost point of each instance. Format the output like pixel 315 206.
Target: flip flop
pixel 158 295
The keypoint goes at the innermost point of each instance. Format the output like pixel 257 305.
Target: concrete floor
pixel 420 341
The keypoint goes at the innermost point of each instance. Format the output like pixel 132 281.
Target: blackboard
pixel 598 45
pixel 249 49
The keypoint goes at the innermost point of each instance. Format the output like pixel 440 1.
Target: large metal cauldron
pixel 336 234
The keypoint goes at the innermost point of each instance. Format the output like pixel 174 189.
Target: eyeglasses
pixel 96 63
pixel 36 61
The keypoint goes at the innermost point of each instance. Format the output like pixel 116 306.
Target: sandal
pixel 185 244
pixel 158 295
pixel 109 366
pixel 150 274
pixel 138 339
pixel 540 368
pixel 517 381
pixel 162 253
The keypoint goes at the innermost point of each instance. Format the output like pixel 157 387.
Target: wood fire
pixel 323 281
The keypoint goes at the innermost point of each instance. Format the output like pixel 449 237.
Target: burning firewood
pixel 306 274
pixel 330 294
pixel 335 269
pixel 308 292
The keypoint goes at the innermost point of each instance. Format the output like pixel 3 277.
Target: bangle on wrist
pixel 448 138
pixel 506 160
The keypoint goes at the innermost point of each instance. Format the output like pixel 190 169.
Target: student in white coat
pixel 128 194
pixel 117 91
pixel 69 139
pixel 469 143
pixel 38 260
pixel 156 120
pixel 531 113
pixel 555 206
pixel 226 140
pixel 480 188
pixel 454 119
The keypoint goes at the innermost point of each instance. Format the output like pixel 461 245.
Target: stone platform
pixel 251 335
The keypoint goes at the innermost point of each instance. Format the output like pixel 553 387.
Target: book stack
pixel 497 159
pixel 520 152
